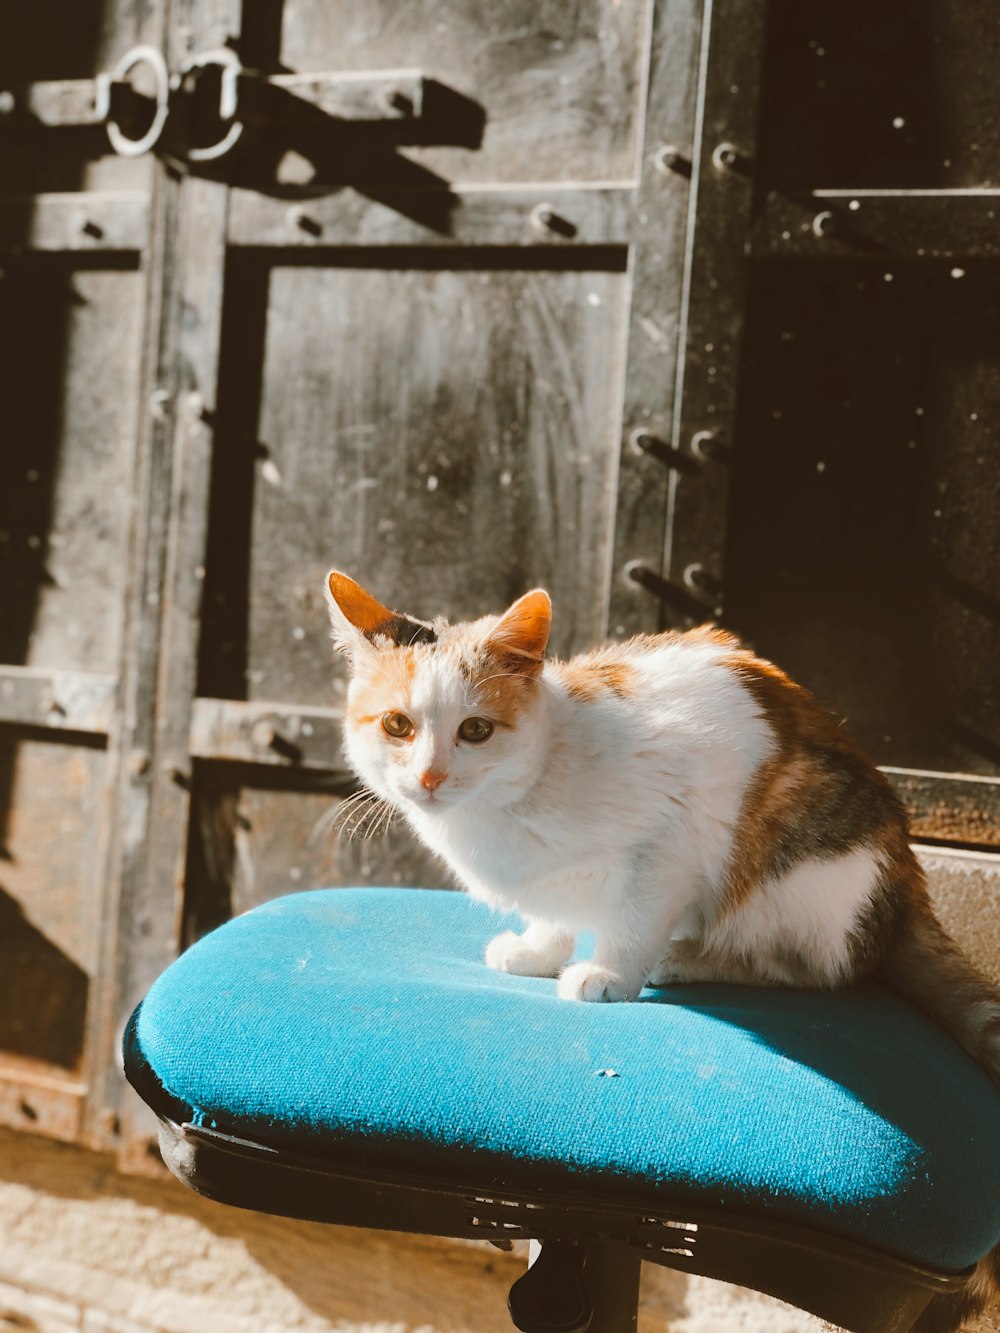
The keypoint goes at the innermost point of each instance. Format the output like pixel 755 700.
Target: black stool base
pixel 851 1286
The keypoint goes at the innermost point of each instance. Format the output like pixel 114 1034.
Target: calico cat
pixel 677 796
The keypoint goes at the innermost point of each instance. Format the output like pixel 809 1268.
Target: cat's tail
pixel 946 1314
pixel 926 966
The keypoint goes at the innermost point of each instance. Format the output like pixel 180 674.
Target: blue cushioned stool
pixel 345 1055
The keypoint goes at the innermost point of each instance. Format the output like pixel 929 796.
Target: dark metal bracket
pixel 552 1297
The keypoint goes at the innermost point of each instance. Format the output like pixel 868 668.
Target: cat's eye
pixel 397 725
pixel 476 729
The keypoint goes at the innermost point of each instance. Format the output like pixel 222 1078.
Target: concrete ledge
pixel 965 888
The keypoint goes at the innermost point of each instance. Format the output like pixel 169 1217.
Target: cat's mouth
pixel 430 800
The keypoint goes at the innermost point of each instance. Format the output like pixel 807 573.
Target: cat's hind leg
pixel 687 962
pixel 540 951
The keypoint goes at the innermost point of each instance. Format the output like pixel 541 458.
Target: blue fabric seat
pixel 362 1026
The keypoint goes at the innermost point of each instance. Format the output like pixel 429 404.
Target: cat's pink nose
pixel 430 781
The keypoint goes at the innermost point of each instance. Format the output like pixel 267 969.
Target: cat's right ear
pixel 520 636
pixel 355 615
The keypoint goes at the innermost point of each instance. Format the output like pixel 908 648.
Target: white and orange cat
pixel 680 798
pixel 683 800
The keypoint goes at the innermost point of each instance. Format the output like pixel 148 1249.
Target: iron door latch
pixel 242 98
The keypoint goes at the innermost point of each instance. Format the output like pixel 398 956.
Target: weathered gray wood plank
pixel 186 373
pixel 282 841
pixel 553 216
pixel 451 453
pixel 36 1100
pixel 286 736
pixel 69 350
pixel 355 95
pixel 182 340
pixel 63 700
pixel 88 221
pixel 558 84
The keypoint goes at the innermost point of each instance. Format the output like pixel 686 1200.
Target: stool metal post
pixel 612 1277
pixel 575 1286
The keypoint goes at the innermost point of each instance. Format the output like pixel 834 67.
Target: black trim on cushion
pixel 850 1285
pixel 141 1076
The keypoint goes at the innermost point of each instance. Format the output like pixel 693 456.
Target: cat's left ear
pixel 521 634
pixel 356 616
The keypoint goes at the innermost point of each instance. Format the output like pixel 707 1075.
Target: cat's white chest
pixel 514 866
pixel 496 854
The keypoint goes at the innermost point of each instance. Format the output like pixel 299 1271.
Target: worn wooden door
pixel 454 296
pixel 396 288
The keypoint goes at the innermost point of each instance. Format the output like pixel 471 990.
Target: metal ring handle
pixel 231 67
pixel 121 143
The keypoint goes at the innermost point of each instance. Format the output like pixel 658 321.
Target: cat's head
pixel 438 714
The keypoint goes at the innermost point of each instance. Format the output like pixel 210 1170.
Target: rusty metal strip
pixel 63 700
pixel 554 216
pixel 87 221
pixel 284 735
pixel 858 224
pixel 951 807
pixel 715 287
pixel 659 225
pixel 40 1102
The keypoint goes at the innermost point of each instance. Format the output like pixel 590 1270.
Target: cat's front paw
pixel 590 981
pixel 509 953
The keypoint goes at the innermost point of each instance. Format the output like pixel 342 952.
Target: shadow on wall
pixel 43 993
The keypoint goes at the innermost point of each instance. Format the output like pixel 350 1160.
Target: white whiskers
pixel 362 814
